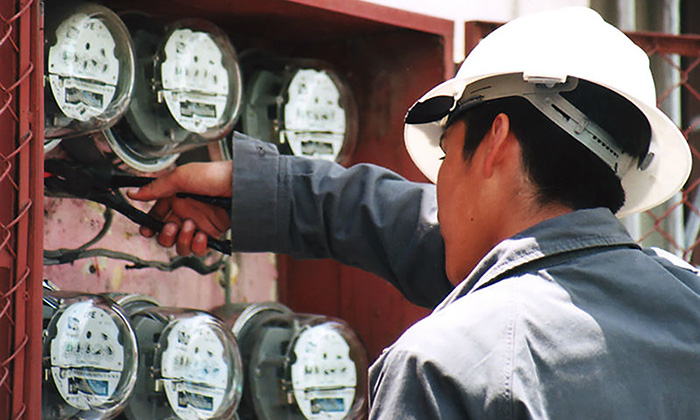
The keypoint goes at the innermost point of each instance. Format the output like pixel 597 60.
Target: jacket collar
pixel 579 230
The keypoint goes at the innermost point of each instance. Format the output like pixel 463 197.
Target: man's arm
pixel 364 216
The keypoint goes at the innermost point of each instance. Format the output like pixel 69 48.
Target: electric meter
pixel 301 105
pixel 298 366
pixel 132 302
pixel 187 92
pixel 189 366
pixel 89 69
pixel 89 359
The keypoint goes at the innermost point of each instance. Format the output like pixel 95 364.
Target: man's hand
pixel 188 221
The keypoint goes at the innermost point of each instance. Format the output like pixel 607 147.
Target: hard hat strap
pixel 541 92
pixel 585 131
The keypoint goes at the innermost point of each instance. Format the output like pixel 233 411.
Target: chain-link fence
pixel 675 59
pixel 21 175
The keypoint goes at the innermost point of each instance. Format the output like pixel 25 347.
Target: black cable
pixel 68 256
pixel 193 263
pixel 64 255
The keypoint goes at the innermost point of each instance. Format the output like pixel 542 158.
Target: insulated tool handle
pixel 100 185
pixel 117 180
pixel 139 217
pixel 92 177
pixel 222 246
pixel 223 202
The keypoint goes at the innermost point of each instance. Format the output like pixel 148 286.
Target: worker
pixel 548 130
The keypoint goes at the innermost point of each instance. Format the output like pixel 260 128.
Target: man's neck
pixel 504 222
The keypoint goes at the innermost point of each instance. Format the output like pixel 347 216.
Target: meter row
pixel 152 88
pixel 126 355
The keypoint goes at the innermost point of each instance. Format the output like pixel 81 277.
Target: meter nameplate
pixel 194 371
pixel 195 81
pixel 314 121
pixel 324 377
pixel 82 68
pixel 313 144
pixel 87 358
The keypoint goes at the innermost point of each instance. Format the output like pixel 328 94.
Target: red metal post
pixel 29 265
pixel 23 206
pixel 35 263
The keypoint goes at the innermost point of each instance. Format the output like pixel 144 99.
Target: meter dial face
pixel 194 370
pixel 314 121
pixel 82 68
pixel 195 81
pixel 324 377
pixel 87 358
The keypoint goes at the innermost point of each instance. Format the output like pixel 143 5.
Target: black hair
pixel 562 169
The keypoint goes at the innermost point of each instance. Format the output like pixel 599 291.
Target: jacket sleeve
pixel 364 216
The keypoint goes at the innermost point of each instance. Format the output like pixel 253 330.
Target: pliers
pixel 102 186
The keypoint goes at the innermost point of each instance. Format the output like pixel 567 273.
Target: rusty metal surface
pixel 686 45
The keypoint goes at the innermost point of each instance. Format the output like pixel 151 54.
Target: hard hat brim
pixel 660 180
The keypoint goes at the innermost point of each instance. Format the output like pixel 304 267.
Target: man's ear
pixel 499 142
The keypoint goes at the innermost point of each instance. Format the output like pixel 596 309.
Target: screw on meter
pixel 314 121
pixel 195 81
pixel 90 357
pixel 323 376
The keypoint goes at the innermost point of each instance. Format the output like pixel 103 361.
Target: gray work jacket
pixel 365 216
pixel 568 319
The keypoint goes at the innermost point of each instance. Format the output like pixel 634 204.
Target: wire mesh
pixel 20 206
pixel 8 188
pixel 675 61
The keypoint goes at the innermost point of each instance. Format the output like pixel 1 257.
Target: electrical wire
pixel 68 256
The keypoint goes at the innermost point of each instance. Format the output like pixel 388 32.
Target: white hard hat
pixel 547 49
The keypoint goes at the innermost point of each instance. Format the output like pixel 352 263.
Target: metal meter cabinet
pixel 389 57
